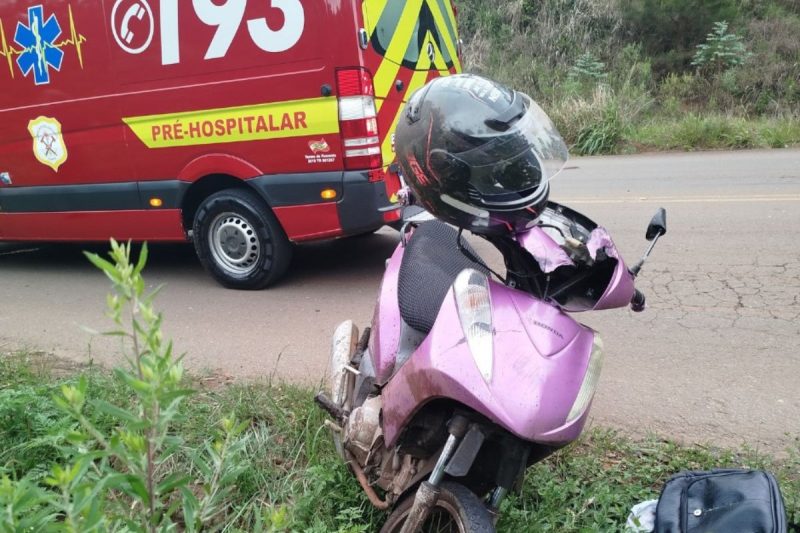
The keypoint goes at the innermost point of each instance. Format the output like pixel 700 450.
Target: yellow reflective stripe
pixel 390 66
pixel 373 9
pixel 386 75
pixel 449 40
pixel 417 81
pixel 384 79
pixel 452 16
pixel 259 122
pixel 404 32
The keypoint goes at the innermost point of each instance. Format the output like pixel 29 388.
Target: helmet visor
pixel 515 161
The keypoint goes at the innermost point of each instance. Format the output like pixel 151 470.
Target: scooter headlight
pixel 474 306
pixel 590 380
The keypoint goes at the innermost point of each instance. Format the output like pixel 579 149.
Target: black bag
pixel 721 501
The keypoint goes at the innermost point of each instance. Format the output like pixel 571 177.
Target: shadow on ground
pixel 342 258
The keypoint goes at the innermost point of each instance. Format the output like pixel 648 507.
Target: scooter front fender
pixel 540 357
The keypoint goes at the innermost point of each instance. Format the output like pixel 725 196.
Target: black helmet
pixel 477 154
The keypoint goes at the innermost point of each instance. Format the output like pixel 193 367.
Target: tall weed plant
pixel 134 473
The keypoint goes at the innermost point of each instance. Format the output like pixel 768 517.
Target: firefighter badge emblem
pixel 48 142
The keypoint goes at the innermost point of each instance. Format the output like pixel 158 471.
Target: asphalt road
pixel 715 359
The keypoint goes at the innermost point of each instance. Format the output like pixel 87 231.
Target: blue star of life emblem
pixel 38 42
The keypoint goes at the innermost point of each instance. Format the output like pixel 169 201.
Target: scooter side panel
pixel 385 339
pixel 530 394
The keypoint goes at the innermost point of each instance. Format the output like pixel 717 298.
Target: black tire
pixel 239 241
pixel 457 510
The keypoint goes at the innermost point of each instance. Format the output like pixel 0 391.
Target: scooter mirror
pixel 658 226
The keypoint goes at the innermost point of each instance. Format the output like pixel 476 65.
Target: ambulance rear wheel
pixel 239 241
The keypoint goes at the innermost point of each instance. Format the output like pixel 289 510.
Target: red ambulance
pixel 242 125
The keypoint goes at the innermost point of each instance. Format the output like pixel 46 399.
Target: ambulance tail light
pixel 358 119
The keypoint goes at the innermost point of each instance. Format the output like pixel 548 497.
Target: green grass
pixel 713 132
pixel 294 482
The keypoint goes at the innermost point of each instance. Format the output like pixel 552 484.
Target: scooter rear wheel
pixel 458 510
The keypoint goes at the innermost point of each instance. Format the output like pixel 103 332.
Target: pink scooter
pixel 464 381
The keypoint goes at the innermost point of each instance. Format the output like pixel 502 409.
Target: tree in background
pixel 669 30
pixel 721 51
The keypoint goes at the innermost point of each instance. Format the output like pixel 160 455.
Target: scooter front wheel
pixel 458 510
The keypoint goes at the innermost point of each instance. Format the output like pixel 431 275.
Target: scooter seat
pixel 431 263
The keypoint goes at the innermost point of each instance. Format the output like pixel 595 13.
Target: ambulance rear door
pixel 409 43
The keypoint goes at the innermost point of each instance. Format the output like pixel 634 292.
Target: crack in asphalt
pixel 761 298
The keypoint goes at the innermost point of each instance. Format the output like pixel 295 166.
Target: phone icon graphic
pixel 134 11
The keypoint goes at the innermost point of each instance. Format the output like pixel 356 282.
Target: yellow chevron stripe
pixel 373 9
pixel 384 79
pixel 439 61
pixel 387 72
pixel 449 40
pixel 452 16
pixel 417 81
pixel 386 75
pixel 404 32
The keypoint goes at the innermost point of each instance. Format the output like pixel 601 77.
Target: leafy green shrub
pixel 721 50
pixel 130 474
pixel 588 67
pixel 33 427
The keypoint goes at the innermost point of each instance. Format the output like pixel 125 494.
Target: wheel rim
pixel 444 518
pixel 234 244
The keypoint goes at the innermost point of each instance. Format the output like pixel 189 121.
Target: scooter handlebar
pixel 638 302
